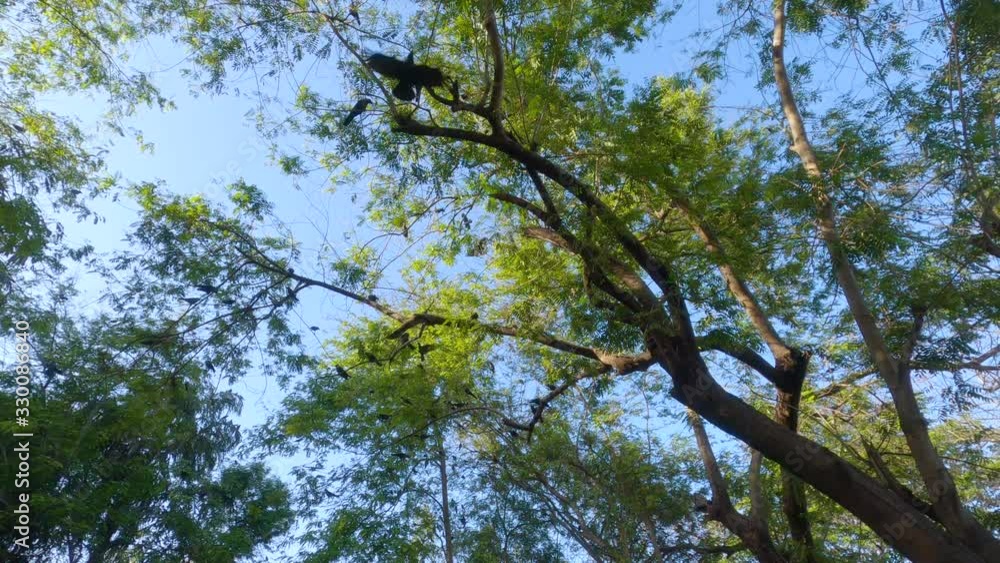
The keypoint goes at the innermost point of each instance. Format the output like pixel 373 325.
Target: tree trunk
pixel 936 477
pixel 898 523
pixel 449 550
pixel 793 492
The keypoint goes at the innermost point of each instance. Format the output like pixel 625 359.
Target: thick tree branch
pixel 745 356
pixel 538 212
pixel 636 296
pixel 936 477
pixel 542 191
pixel 496 50
pixel 885 473
pixel 758 318
pixel 657 270
pixel 826 219
pixel 721 508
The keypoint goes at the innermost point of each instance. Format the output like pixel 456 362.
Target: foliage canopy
pixel 573 265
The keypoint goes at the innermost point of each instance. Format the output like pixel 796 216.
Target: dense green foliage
pixel 131 458
pixel 564 268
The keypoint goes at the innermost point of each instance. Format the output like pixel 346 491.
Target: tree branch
pixel 721 508
pixel 496 50
pixel 620 363
pixel 758 504
pixel 658 271
pixel 938 480
pixel 758 318
pixel 745 356
pixel 883 471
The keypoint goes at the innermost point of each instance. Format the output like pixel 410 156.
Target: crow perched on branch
pixel 342 372
pixel 357 110
pixel 410 77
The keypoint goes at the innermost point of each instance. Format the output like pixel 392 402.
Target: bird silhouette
pixel 357 110
pixel 342 372
pixel 410 77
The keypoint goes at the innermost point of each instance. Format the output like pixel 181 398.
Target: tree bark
pixel 449 550
pixel 898 523
pixel 793 493
pixel 752 532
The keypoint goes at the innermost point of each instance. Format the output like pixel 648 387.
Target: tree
pixel 129 443
pixel 569 236
pixel 636 232
pixel 47 164
pixel 129 455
